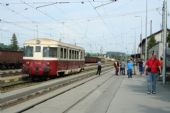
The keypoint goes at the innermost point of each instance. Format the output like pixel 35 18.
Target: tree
pixel 168 39
pixel 88 54
pixel 14 43
pixel 4 47
pixel 151 42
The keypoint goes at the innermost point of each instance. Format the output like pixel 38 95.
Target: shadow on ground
pixel 146 109
pixel 163 91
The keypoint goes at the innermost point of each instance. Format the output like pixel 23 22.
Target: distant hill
pixel 115 54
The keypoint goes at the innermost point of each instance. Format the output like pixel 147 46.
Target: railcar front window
pixel 50 52
pixel 28 51
pixel 38 49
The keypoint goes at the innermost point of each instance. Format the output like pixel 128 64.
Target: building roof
pixel 143 40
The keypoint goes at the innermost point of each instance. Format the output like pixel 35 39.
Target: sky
pixel 92 24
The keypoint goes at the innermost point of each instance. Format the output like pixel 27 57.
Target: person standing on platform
pixel 122 68
pixel 116 65
pixel 129 68
pixel 161 62
pixel 152 68
pixel 99 68
pixel 141 68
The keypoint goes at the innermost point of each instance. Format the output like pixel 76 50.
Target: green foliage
pixel 151 42
pixel 4 47
pixel 14 43
pixel 88 54
pixel 93 54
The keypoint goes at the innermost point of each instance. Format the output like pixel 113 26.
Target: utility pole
pixel 164 39
pixel 146 40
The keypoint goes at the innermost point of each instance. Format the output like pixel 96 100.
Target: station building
pixel 157 49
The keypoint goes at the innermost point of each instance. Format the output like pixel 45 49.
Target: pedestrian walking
pixel 129 68
pixel 152 68
pixel 99 68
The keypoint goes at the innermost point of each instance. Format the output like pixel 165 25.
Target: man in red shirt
pixel 152 68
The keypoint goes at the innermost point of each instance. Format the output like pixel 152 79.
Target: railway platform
pixel 105 94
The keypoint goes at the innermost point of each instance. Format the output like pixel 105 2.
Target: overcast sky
pixel 112 27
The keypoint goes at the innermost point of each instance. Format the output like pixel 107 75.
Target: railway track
pixel 6 73
pixel 6 87
pixel 43 89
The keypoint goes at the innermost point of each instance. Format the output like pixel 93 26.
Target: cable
pixel 101 18
pixel 59 2
pixel 52 18
pixel 13 11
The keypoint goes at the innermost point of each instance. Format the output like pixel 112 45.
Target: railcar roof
pixel 47 41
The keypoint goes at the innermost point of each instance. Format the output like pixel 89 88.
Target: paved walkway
pixel 131 97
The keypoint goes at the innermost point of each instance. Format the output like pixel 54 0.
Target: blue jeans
pixel 151 79
pixel 129 73
pixel 141 69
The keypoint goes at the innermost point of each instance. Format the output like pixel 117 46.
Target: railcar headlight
pixel 27 62
pixel 48 63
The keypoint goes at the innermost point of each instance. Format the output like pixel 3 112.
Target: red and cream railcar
pixel 50 58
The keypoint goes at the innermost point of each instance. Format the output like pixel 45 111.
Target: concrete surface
pixel 131 97
pixel 108 94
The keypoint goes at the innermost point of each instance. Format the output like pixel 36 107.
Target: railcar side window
pixel 65 53
pixel 50 52
pixel 76 54
pixel 72 54
pixel 61 53
pixel 82 55
pixel 28 51
pixel 69 54
pixel 37 48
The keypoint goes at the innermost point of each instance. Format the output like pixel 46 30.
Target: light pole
pixel 164 10
pixel 146 40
